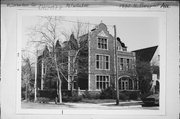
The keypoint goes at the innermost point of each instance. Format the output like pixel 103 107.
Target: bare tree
pixel 79 29
pixel 47 33
pixel 26 76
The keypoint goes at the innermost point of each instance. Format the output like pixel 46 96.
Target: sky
pixel 135 32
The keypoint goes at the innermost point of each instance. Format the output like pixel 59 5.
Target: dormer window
pixel 124 49
pixel 102 43
pixel 119 48
pixel 121 45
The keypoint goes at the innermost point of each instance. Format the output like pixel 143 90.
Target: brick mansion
pixel 95 68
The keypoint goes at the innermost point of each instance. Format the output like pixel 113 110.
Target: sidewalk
pixel 106 106
pixel 81 105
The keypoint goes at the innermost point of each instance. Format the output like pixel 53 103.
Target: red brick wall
pixel 93 50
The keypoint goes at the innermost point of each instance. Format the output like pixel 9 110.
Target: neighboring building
pixel 145 54
pixel 95 69
pixel 150 58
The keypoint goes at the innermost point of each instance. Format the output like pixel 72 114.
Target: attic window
pixel 102 43
pixel 122 46
pixel 124 49
pixel 119 48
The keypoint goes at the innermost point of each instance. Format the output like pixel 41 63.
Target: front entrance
pixel 126 83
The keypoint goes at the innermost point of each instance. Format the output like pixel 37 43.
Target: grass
pixel 87 104
pixel 97 101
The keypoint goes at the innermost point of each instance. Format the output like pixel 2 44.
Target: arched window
pixel 125 83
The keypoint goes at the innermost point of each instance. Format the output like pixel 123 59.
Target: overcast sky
pixel 135 32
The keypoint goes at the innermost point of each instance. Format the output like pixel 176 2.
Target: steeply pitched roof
pixel 73 44
pixel 145 54
pixel 83 40
pixel 46 51
pixel 58 46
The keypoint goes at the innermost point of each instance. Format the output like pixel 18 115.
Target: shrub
pixel 134 95
pixel 91 95
pixel 123 96
pixel 66 99
pixel 108 93
pixel 72 99
pixel 130 95
pixel 76 98
pixel 23 95
pixel 31 96
pixel 66 93
pixel 51 94
pixel 43 100
pixel 142 96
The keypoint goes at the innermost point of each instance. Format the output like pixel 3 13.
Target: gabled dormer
pixel 120 45
pixel 102 41
pixel 102 36
pixel 73 44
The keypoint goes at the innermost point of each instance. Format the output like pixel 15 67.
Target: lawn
pixel 98 101
pixel 88 104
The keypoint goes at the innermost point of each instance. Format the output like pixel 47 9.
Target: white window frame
pixel 119 48
pixel 102 61
pixel 97 39
pixel 102 81
pixel 124 82
pixel 125 64
pixel 121 68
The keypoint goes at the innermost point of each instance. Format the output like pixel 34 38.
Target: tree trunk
pixel 60 93
pixel 59 78
pixel 72 80
pixel 57 85
pixel 26 95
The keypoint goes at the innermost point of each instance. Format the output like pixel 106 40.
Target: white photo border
pixel 160 14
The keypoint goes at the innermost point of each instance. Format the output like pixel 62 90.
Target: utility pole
pixel 116 67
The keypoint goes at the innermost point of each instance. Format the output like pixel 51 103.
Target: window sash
pixel 126 84
pixel 124 64
pixel 102 43
pixel 102 82
pixel 102 62
pixel 121 63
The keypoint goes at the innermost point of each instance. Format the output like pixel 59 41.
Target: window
pixel 119 48
pixel 102 43
pixel 124 64
pixel 102 82
pixel 127 64
pixel 125 83
pixel 124 49
pixel 75 84
pixel 121 64
pixel 44 69
pixel 71 58
pixel 102 62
